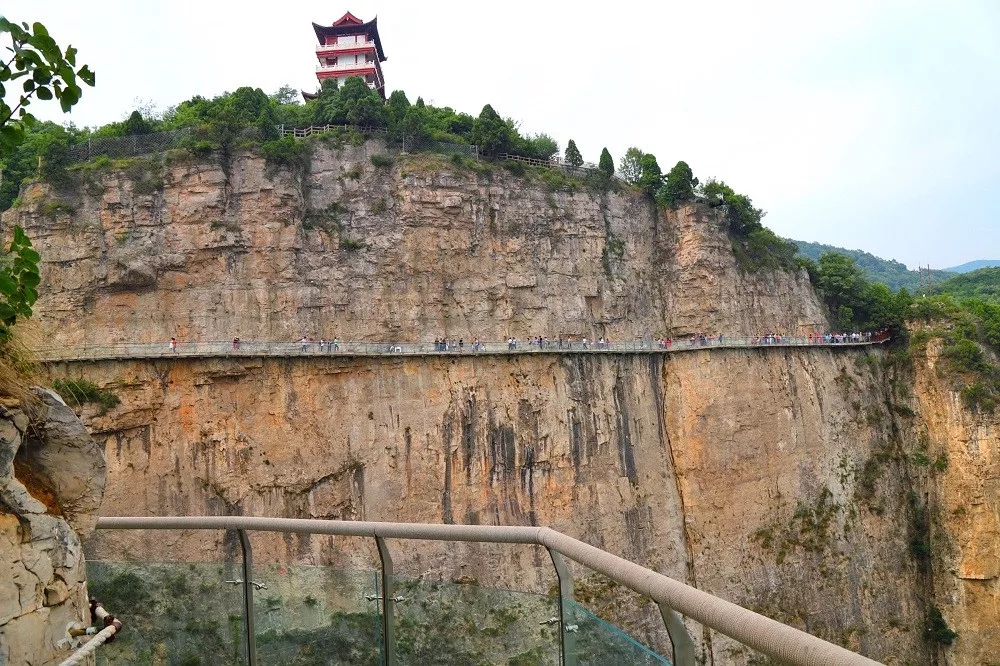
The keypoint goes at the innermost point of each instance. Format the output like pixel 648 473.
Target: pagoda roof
pixel 345 25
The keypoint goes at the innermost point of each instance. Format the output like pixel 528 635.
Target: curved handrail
pixel 761 633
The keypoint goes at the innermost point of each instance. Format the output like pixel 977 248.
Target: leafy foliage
pixel 938 631
pixel 490 132
pixel 79 391
pixel 651 177
pixel 18 281
pixel 741 216
pixel 47 72
pixel 678 186
pixel 630 166
pixel 573 156
pixel 606 165
pixel 854 302
pixel 354 104
pixel 970 332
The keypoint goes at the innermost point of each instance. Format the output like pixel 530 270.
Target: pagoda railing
pixel 354 45
pixel 344 67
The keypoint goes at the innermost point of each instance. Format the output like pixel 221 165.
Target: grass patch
pixel 77 392
pixel 382 161
pixel 327 218
pixel 52 209
pixel 349 244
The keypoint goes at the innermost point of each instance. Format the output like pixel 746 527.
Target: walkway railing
pixel 778 641
pixel 222 348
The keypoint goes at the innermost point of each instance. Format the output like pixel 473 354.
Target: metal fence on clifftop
pixel 129 146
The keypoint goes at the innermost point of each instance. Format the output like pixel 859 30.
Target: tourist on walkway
pixel 173 345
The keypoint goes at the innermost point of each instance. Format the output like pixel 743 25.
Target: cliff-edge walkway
pixel 230 349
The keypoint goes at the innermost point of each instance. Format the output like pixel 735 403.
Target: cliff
pixel 422 249
pixel 960 485
pixel 797 482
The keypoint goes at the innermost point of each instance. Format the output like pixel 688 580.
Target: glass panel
pixel 465 623
pixel 174 612
pixel 599 643
pixel 317 615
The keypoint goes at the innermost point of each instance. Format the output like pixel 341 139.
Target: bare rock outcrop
pixel 52 478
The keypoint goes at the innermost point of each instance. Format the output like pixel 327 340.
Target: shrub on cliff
pixel 286 152
pixel 76 392
pixel 741 215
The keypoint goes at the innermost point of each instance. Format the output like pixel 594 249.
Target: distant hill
pixel 983 284
pixel 970 266
pixel 887 271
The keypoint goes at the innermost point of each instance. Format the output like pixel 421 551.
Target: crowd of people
pixel 539 343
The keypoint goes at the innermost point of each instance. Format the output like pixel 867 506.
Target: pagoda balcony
pixel 347 66
pixel 345 46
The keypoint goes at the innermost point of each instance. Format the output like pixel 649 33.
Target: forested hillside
pixel 887 271
pixel 983 284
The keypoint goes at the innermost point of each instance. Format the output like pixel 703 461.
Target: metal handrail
pixel 254 348
pixel 772 638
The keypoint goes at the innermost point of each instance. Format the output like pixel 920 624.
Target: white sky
pixel 872 127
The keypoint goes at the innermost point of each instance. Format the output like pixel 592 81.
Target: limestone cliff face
pixel 964 523
pixel 786 480
pixel 52 478
pixel 737 471
pixel 418 250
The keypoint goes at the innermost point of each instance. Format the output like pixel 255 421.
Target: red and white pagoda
pixel 350 47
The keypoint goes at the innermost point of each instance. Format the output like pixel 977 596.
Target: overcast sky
pixel 865 125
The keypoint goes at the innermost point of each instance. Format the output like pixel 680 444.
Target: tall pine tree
pixel 573 156
pixel 606 164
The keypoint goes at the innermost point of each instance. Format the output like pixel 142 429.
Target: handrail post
pixel 567 642
pixel 248 616
pixel 388 639
pixel 680 639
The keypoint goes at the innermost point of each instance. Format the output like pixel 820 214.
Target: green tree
pixel 573 156
pixel 741 216
pixel 490 132
pixel 47 73
pixel 361 105
pixel 856 303
pixel 136 124
pixel 678 186
pixel 413 128
pixel 630 166
pixel 539 146
pixel 285 95
pixel 651 178
pixel 396 107
pixel 606 165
